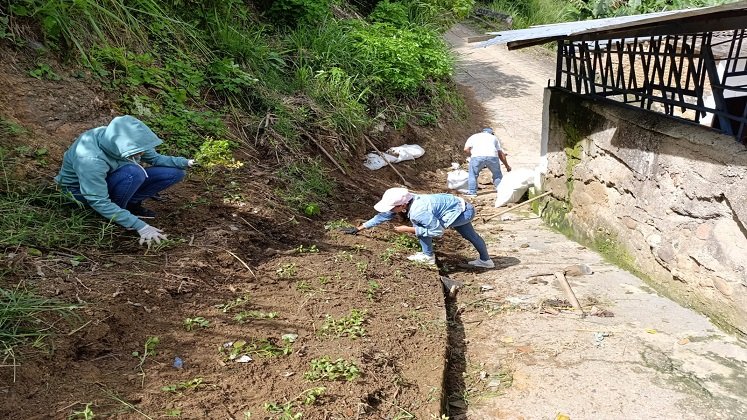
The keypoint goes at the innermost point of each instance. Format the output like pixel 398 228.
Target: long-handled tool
pixel 486 219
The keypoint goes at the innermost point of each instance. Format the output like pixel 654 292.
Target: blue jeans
pixel 463 225
pixel 477 164
pixel 128 185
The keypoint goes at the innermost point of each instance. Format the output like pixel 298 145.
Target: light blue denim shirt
pixel 430 214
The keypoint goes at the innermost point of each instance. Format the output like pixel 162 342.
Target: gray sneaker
pixel 482 264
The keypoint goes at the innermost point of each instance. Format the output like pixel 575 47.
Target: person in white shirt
pixel 485 150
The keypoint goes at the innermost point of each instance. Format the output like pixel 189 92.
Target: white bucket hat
pixel 392 198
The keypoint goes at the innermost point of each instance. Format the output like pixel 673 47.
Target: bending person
pixel 430 215
pixel 485 151
pixel 102 170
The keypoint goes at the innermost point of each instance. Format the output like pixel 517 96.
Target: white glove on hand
pixel 191 163
pixel 148 234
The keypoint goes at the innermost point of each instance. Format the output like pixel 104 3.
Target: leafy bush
pixel 291 13
pixel 393 13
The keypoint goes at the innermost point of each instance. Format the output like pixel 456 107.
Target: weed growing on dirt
pixel 149 349
pixel 216 153
pixel 85 414
pixel 9 129
pixel 286 271
pixel 303 286
pixel 196 322
pixel 343 256
pixel 43 71
pixel 172 412
pixel 312 249
pixel 361 267
pixel 164 245
pixel 406 242
pixel 323 280
pixel 388 254
pixel 285 410
pixel 228 306
pixel 337 224
pixel 27 318
pixel 350 326
pixel 183 386
pixel 243 316
pixel 325 369
pixel 257 347
pixel 372 290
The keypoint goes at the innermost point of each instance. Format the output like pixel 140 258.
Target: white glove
pixel 148 233
pixel 191 163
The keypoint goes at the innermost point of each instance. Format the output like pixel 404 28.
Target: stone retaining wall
pixel 663 198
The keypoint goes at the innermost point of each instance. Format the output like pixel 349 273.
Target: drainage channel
pixel 453 402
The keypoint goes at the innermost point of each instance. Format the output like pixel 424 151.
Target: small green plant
pixel 323 280
pixel 149 349
pixel 243 316
pixel 183 386
pixel 406 242
pixel 214 153
pixel 388 254
pixel 311 396
pixel 362 267
pixel 306 184
pixel 85 414
pixel 196 322
pixel 172 412
pixel 337 224
pixel 164 245
pixel 303 286
pixel 343 256
pixel 358 248
pixel 43 71
pixel 312 249
pixel 286 271
pixel 257 347
pixel 228 306
pixel 284 411
pixel 351 325
pixel 325 369
pixel 373 288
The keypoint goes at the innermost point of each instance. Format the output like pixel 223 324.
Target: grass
pixel 26 318
pixel 40 217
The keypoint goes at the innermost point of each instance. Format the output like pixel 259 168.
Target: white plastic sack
pixel 513 185
pixel 406 152
pixel 374 161
pixel 457 179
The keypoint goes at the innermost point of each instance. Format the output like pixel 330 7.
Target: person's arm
pixel 375 221
pixel 502 157
pixel 153 158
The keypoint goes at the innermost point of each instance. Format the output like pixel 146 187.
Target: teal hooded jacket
pixel 100 151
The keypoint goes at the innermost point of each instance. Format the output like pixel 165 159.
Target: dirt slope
pixel 248 257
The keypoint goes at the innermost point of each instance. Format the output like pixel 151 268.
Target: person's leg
pixel 474 172
pixel 426 245
pixel 463 225
pixel 124 183
pixel 494 165
pixel 159 178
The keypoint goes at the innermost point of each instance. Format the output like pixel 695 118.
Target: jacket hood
pixel 127 135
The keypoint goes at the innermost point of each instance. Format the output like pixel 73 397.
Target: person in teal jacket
pixel 431 215
pixel 102 169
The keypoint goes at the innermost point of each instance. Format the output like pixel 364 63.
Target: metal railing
pixel 699 77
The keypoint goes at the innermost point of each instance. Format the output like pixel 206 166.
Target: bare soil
pixel 252 252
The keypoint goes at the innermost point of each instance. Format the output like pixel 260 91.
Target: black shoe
pixel 140 211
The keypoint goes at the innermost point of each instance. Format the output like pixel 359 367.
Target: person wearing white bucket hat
pixel 430 215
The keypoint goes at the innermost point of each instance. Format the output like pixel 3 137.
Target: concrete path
pixel 652 359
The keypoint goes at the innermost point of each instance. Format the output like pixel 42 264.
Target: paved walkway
pixel 652 360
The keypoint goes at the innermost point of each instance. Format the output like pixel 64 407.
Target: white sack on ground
pixel 394 155
pixel 513 185
pixel 407 152
pixel 457 179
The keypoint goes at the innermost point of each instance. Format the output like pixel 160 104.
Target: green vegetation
pixel 372 290
pixel 239 301
pixel 285 410
pixel 26 318
pixel 406 242
pixel 325 369
pixel 257 347
pixel 183 386
pixel 196 322
pixel 85 414
pixel 286 271
pixel 149 349
pixel 350 326
pixel 526 13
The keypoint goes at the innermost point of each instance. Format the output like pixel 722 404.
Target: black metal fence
pixel 699 77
